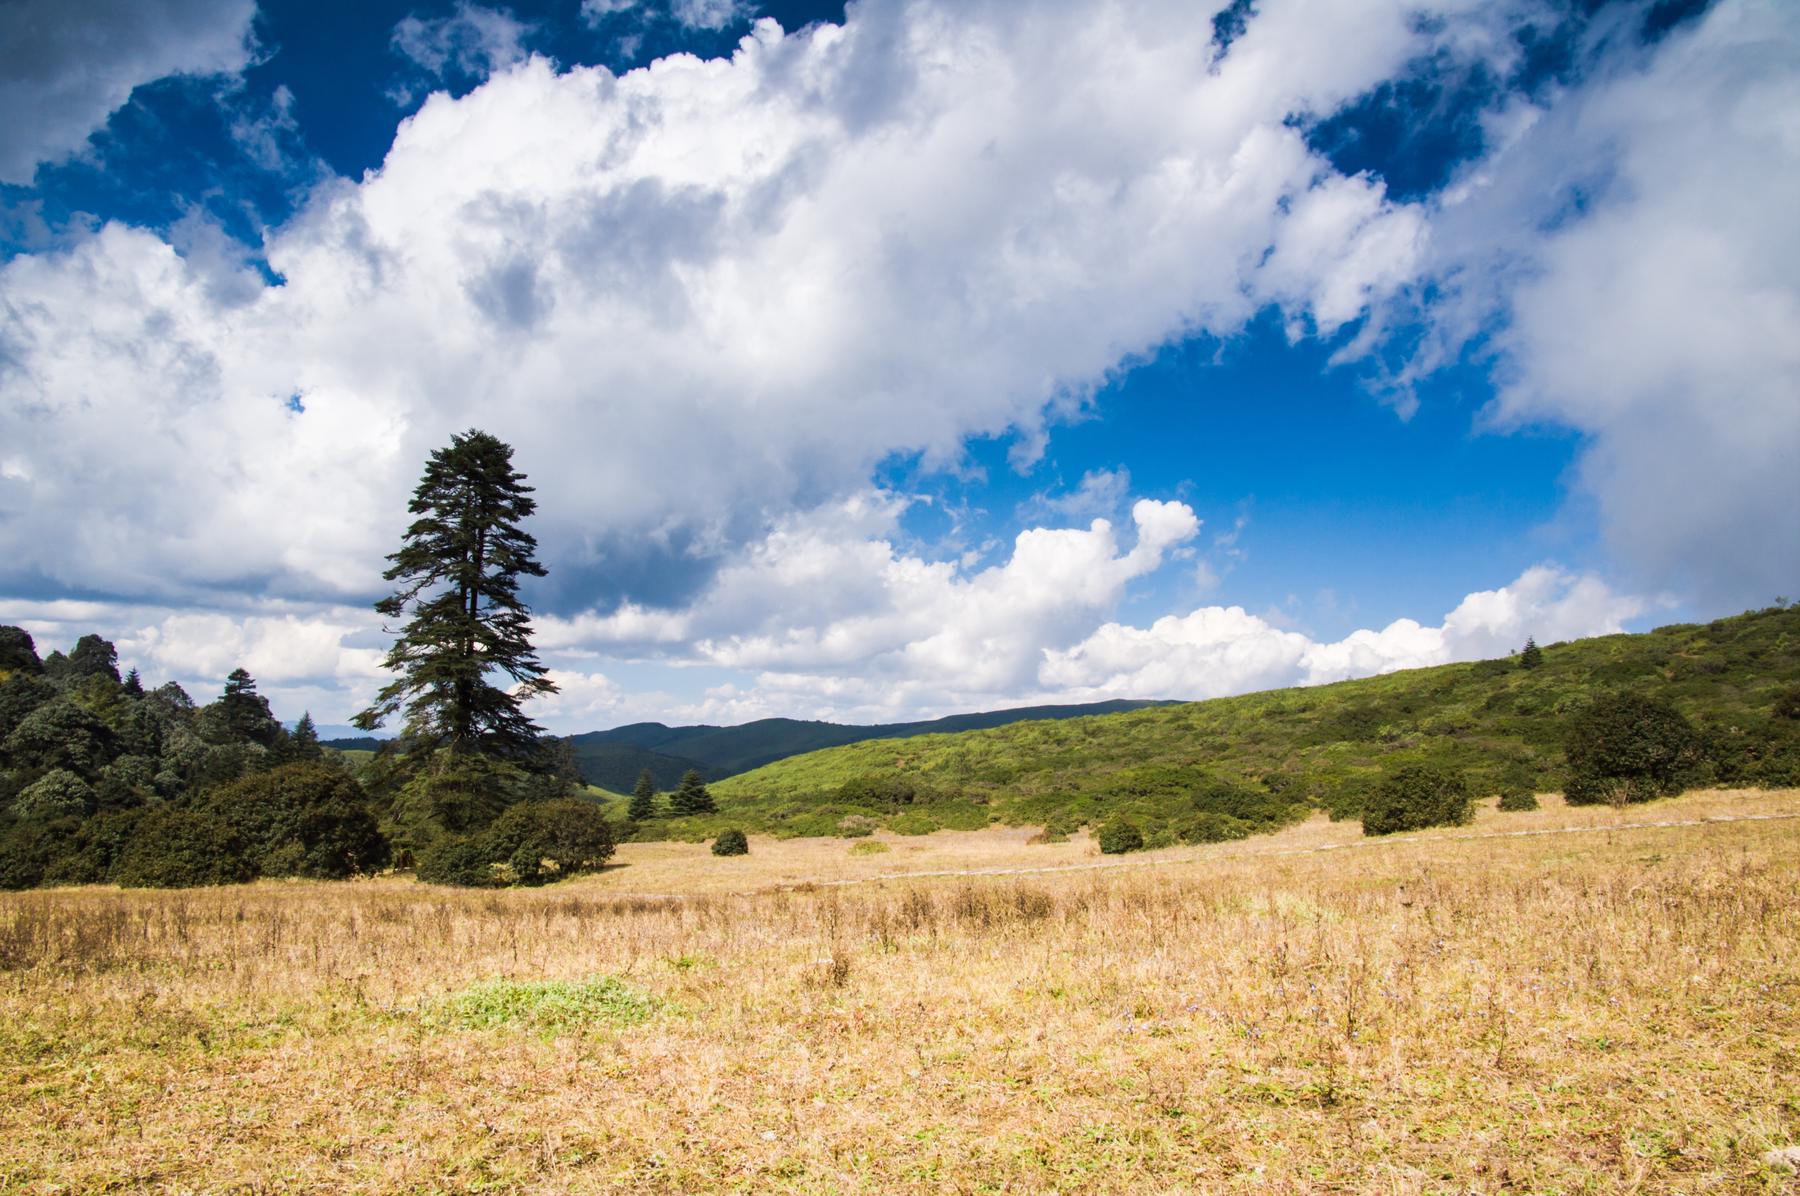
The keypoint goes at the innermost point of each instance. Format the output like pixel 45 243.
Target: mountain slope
pixel 1263 758
pixel 725 751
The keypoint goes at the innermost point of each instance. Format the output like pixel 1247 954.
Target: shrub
pixel 1625 747
pixel 1787 703
pixel 568 834
pixel 178 848
pixel 1210 827
pixel 1119 836
pixel 455 860
pixel 868 847
pixel 731 842
pixel 1416 796
pixel 303 819
pixel 1518 799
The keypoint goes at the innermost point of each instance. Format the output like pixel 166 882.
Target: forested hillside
pixel 717 752
pixel 1234 765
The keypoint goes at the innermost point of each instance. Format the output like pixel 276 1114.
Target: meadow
pixel 1606 1006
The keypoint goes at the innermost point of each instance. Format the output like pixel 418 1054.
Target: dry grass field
pixel 1614 1010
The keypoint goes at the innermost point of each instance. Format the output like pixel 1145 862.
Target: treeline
pixel 103 780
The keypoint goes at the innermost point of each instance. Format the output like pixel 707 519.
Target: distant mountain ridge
pixel 612 759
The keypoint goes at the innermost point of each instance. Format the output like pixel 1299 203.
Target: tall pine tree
pixel 459 569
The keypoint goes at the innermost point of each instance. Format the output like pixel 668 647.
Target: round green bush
pixel 1211 827
pixel 1625 747
pixel 1416 796
pixel 1518 799
pixel 731 842
pixel 1119 836
pixel 175 848
pixel 454 860
pixel 59 793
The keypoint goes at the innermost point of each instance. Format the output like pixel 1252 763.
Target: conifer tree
pixel 133 684
pixel 459 569
pixel 303 742
pixel 241 715
pixel 692 797
pixel 1531 656
pixel 643 798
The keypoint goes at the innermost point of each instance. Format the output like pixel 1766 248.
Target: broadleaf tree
pixel 459 568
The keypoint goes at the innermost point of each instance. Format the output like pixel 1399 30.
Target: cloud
pixel 473 41
pixel 66 65
pixel 1215 651
pixel 695 297
pixel 1629 253
pixel 710 14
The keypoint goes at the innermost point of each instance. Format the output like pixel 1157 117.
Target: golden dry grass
pixel 1606 1011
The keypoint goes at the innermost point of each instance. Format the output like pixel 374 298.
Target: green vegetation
pixel 643 798
pixel 1262 760
pixel 1626 747
pixel 1518 800
pixel 1119 836
pixel 611 758
pixel 1416 796
pixel 102 781
pixel 548 1007
pixel 459 571
pixel 731 841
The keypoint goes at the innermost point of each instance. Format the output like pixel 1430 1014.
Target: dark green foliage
pixel 20 694
pixel 59 793
pixel 87 852
pixel 27 849
pixel 1518 799
pixel 459 569
pixel 301 819
pixel 18 653
pixel 731 842
pixel 134 685
pixel 94 657
pixel 889 792
pixel 530 843
pixel 456 860
pixel 1416 796
pixel 241 715
pixel 1119 836
pixel 1531 656
pixel 1627 747
pixel 303 741
pixel 60 734
pixel 173 847
pixel 1787 703
pixel 540 841
pixel 692 797
pixel 643 799
pixel 1214 828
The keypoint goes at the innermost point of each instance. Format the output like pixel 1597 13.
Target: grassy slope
pixel 1322 745
pixel 725 751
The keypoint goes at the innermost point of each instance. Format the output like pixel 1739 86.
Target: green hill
pixel 1233 766
pixel 725 751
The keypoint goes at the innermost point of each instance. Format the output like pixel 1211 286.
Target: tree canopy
pixel 459 568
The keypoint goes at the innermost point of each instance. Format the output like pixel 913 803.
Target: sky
pixel 893 359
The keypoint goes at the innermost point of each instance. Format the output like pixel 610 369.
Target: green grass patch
pixel 548 1007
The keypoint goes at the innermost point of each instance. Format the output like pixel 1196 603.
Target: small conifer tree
pixel 692 797
pixel 1531 656
pixel 643 799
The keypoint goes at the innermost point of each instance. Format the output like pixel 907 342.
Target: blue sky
pixel 908 358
